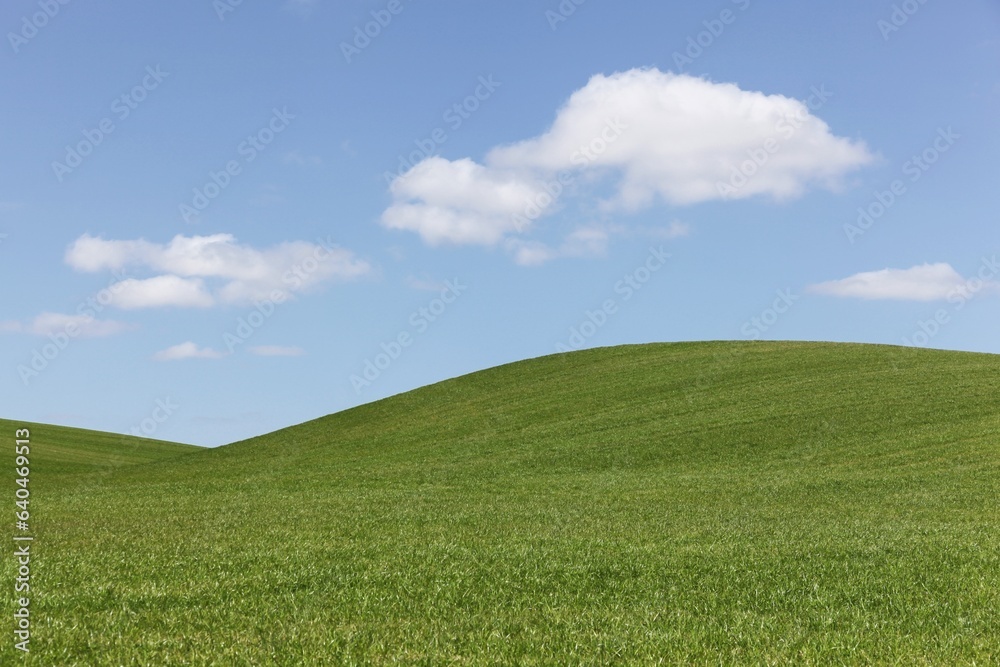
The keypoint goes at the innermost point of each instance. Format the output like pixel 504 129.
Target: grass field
pixel 702 503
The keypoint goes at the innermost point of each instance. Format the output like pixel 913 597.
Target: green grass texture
pixel 712 503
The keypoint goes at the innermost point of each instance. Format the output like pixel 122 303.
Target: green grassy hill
pixel 703 503
pixel 77 451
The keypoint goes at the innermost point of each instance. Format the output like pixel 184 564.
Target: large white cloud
pixel 653 135
pixel 241 273
pixel 926 282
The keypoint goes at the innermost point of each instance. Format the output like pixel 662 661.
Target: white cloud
pixel 92 254
pixel 582 242
pixel 530 253
pixel 300 159
pixel 268 195
pixel 187 350
pixel 682 135
pixel 675 230
pixel 242 273
pixel 425 283
pixel 927 282
pixel 585 242
pixel 82 326
pixel 276 351
pixel 458 201
pixel 655 135
pixel 159 292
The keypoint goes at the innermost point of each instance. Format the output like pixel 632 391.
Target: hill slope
pixel 695 503
pixel 75 451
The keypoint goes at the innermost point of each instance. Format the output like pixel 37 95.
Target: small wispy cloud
pixel 276 351
pixel 675 230
pixel 425 283
pixel 75 326
pixel 582 242
pixel 268 195
pixel 302 160
pixel 187 350
pixel 301 6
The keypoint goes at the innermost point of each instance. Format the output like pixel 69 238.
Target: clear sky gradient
pixel 223 218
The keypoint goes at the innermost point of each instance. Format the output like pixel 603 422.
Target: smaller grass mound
pixel 59 451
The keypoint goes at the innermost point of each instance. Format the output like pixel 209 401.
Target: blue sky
pixel 220 219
